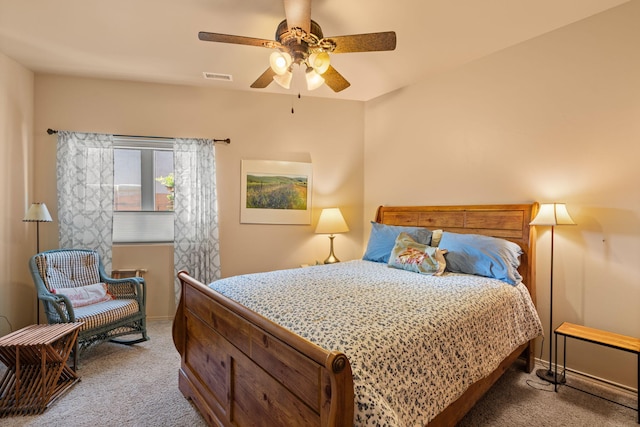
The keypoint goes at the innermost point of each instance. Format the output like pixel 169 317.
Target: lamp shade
pixel 284 80
pixel 331 222
pixel 314 80
pixel 320 62
pixel 280 62
pixel 38 212
pixel 553 214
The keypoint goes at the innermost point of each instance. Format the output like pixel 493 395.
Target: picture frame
pixel 275 192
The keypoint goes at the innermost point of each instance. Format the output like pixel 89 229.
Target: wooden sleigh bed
pixel 240 368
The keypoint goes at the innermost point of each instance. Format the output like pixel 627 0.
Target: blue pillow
pixel 383 239
pixel 482 255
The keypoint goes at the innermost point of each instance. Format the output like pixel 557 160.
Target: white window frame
pixel 146 225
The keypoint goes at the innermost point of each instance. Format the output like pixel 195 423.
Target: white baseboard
pixel 633 392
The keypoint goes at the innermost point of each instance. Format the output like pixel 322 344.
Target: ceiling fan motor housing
pixel 298 42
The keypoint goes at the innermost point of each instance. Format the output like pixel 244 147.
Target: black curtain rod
pixel 226 140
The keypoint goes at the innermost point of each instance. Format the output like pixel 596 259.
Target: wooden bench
pixel 600 337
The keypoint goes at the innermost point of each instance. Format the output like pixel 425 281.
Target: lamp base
pixel 549 376
pixel 331 259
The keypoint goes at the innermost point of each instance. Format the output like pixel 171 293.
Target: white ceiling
pixel 156 40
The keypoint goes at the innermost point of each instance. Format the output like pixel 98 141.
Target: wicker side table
pixel 36 357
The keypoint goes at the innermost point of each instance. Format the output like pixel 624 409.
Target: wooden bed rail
pixel 256 370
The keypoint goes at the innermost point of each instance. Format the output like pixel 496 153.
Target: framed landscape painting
pixel 275 192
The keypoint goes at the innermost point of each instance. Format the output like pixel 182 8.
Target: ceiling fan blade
pixel 334 80
pixel 226 38
pixel 264 80
pixel 298 14
pixel 371 42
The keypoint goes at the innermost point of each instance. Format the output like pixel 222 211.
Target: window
pixel 143 190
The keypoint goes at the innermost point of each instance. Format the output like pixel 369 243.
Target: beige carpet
pixel 123 386
pixel 138 386
pixel 521 399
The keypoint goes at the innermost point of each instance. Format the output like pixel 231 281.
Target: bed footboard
pixel 240 368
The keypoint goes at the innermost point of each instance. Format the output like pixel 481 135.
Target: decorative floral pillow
pixel 435 238
pixel 86 295
pixel 407 254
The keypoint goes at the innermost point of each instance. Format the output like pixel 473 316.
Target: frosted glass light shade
pixel 314 80
pixel 38 212
pixel 280 62
pixel 553 214
pixel 331 222
pixel 284 80
pixel 320 62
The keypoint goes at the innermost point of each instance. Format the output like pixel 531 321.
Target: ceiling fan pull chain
pixel 292 111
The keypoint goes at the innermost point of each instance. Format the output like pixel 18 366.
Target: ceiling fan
pixel 299 41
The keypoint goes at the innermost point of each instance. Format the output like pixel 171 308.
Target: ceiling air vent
pixel 217 76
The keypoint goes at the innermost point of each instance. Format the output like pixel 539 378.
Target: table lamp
pixel 331 222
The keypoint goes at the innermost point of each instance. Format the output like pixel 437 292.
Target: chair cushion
pixel 71 269
pixel 103 313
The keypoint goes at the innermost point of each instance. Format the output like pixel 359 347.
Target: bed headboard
pixel 509 222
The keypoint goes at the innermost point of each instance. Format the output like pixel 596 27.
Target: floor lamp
pixel 331 222
pixel 551 214
pixel 37 213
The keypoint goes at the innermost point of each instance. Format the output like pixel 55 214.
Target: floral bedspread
pixel 415 342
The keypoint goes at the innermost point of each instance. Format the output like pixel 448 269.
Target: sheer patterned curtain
pixel 196 245
pixel 85 192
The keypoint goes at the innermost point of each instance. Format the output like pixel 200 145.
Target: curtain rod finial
pixel 51 131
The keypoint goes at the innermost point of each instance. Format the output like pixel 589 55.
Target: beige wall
pixel 158 261
pixel 325 132
pixel 552 119
pixel 17 238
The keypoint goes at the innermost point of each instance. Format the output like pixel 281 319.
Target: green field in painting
pixel 276 192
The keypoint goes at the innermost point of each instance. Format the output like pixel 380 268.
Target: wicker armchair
pixel 71 286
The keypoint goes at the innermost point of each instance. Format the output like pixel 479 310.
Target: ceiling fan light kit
pixel 280 62
pixel 314 80
pixel 284 79
pixel 299 41
pixel 320 62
